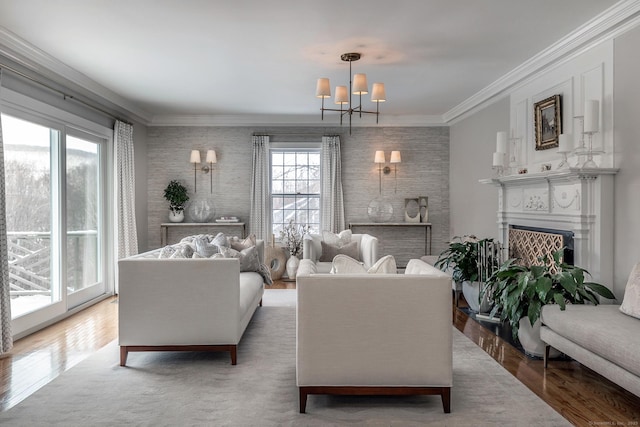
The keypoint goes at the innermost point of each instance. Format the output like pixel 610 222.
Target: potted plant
pixel 176 195
pixel 462 260
pixel 520 292
pixel 291 237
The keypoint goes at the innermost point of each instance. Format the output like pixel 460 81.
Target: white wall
pixel 472 143
pixel 626 105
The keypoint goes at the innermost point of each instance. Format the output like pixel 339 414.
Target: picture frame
pixel 548 122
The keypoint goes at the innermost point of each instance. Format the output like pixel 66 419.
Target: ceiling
pixel 262 58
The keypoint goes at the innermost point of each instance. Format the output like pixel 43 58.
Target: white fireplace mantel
pixel 577 200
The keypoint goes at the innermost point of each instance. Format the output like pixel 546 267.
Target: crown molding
pixel 45 65
pixel 292 120
pixel 614 21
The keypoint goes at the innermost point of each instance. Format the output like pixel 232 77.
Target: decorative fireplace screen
pixel 528 245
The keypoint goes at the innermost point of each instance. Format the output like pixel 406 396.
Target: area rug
pixel 193 389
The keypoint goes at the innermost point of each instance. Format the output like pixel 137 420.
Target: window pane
pixel 83 201
pixel 28 149
pixel 298 178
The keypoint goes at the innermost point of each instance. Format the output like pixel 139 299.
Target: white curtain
pixel 6 338
pixel 260 221
pixel 332 214
pixel 126 183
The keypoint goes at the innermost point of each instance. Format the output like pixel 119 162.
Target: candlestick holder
pixel 581 149
pixel 499 170
pixel 590 163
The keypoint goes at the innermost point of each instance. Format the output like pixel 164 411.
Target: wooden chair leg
pixel 303 400
pixel 234 354
pixel 124 352
pixel 446 400
pixel 547 349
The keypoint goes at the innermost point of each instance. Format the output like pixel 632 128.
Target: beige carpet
pixel 176 389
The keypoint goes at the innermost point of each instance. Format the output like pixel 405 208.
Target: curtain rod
pixel 65 96
pixel 290 134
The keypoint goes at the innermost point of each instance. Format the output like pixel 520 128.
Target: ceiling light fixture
pixel 357 86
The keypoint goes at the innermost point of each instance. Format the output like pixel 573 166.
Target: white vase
pixel 292 266
pixel 471 292
pixel 176 216
pixel 529 337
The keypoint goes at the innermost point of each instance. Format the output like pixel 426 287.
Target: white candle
pixel 498 159
pixel 565 143
pixel 501 142
pixel 591 116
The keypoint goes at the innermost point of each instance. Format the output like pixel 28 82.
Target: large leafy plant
pixel 462 258
pixel 519 291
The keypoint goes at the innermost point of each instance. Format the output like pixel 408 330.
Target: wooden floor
pixel 579 394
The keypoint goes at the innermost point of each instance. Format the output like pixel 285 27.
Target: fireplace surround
pixel 575 201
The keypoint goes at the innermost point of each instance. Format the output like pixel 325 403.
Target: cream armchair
pixel 380 334
pixel 367 250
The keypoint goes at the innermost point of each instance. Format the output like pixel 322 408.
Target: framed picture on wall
pixel 548 122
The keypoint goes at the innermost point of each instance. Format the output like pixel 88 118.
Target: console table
pixel 237 228
pixel 392 235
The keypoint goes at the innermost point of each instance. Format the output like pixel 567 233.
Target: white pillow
pixel 385 265
pixel 631 301
pixel 339 240
pixel 344 264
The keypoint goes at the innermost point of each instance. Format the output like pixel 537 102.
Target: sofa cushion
pixel 601 329
pixel 340 239
pixel 329 251
pixel 631 301
pixel 385 265
pixel 239 244
pixel 343 264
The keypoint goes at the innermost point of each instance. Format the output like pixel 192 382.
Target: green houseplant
pixel 520 292
pixel 176 195
pixel 462 260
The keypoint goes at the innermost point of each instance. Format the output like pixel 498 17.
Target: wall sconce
pixel 211 159
pixel 379 159
pixel 395 159
pixel 195 159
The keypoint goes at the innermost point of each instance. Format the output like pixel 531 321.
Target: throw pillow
pixel 249 261
pixel 204 247
pixel 339 240
pixel 343 264
pixel 220 241
pixel 240 244
pixel 385 265
pixel 330 251
pixel 631 301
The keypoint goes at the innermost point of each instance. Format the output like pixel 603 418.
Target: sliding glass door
pixel 55 200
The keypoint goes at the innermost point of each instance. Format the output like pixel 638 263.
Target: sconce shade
pixel 395 157
pixel 360 84
pixel 211 156
pixel 323 90
pixel 195 156
pixel 379 158
pixel 342 95
pixel 378 93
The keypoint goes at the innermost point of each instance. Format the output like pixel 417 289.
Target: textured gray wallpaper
pixel 424 171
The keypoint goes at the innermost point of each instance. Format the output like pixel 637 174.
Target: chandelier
pixel 343 96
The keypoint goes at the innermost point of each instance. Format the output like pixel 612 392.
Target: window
pixel 295 188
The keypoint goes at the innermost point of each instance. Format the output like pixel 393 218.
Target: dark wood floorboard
pixel 582 396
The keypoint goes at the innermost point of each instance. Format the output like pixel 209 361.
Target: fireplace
pixel 575 205
pixel 528 244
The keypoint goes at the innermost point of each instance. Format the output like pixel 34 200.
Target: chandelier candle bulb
pixel 501 142
pixel 498 159
pixel 591 116
pixel 565 143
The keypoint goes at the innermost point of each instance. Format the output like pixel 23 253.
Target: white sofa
pixel 367 250
pixel 381 334
pixel 185 304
